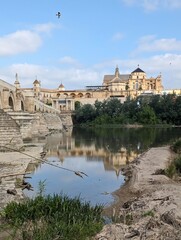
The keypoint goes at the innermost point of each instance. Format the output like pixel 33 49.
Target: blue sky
pixel 89 40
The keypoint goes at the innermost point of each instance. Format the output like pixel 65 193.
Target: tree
pixel 113 107
pixel 77 105
pixel 84 114
pixel 147 115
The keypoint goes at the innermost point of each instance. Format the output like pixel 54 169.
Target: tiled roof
pixel 36 81
pixel 122 77
pixel 61 86
pixel 138 70
pixel 117 80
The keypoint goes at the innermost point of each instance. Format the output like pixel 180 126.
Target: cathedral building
pixel 116 85
pixel 132 84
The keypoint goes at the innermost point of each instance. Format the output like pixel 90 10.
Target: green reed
pixel 54 217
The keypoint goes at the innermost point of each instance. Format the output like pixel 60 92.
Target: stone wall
pixel 40 124
pixel 66 119
pixel 18 126
pixel 10 135
pixel 53 121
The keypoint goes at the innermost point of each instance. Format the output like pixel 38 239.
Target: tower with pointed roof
pixel 137 79
pixel 117 71
pixel 17 83
pixel 36 87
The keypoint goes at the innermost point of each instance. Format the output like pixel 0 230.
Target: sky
pixel 90 39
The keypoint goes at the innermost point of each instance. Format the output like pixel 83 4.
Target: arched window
pixel 72 95
pixel 22 106
pixel 11 103
pixel 137 85
pixel 80 95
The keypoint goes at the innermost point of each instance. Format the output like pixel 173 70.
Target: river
pixel 100 153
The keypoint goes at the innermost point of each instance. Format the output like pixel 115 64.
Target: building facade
pixel 117 85
pixel 132 84
pixel 113 86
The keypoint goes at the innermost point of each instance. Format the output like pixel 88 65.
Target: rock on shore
pixel 155 210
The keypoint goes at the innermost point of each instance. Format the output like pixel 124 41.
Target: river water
pixel 100 153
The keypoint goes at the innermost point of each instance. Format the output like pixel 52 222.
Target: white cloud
pixel 24 41
pixel 151 5
pixel 69 61
pixel 46 28
pixel 117 36
pixel 51 77
pixel 78 77
pixel 19 42
pixel 151 44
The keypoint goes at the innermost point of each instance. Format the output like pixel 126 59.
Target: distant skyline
pixel 89 40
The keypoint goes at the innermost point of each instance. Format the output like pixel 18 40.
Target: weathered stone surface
pixel 10 135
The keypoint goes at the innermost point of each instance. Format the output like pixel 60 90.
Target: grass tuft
pixel 54 217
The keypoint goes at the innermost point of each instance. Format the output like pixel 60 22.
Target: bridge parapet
pixel 42 107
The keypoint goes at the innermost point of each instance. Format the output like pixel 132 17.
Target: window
pixel 137 85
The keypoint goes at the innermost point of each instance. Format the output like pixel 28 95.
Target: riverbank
pixel 148 205
pixel 13 168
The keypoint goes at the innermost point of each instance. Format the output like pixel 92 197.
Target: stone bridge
pixel 13 98
pixel 23 116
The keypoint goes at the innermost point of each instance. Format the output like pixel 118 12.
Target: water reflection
pixel 100 153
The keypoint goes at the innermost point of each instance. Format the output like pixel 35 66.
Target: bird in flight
pixel 58 14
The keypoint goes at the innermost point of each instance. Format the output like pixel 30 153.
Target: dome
pixel 61 87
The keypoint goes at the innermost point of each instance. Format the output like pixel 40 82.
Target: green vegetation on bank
pixel 52 217
pixel 174 168
pixel 149 110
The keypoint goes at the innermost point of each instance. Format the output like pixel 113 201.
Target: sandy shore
pixel 149 205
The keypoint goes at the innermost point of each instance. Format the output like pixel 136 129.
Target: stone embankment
pixel 149 206
pixel 18 126
pixel 14 155
pixel 9 131
pixel 39 124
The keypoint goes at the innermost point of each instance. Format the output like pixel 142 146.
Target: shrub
pixel 177 163
pixel 170 171
pixel 176 146
pixel 174 168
